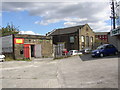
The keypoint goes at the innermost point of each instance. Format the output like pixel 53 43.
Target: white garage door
pixel 38 51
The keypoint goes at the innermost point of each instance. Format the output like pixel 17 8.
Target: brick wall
pixel 45 42
pixel 65 38
pixel 17 49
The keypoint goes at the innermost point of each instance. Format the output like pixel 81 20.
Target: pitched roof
pixel 65 30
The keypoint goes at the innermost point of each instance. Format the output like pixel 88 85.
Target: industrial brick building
pixel 20 46
pixel 74 38
pixel 102 36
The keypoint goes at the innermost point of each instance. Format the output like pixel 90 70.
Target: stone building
pixel 27 46
pixel 74 38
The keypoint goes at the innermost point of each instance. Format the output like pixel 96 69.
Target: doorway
pixel 38 51
pixel 32 50
pixel 27 50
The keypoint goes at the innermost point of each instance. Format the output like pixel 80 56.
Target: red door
pixel 27 51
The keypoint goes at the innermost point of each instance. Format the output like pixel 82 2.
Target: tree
pixel 9 29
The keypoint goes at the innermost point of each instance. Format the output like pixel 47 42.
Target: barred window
pixel 72 39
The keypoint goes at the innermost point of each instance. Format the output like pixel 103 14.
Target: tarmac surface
pixel 73 72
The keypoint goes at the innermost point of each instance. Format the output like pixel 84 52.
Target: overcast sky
pixel 40 18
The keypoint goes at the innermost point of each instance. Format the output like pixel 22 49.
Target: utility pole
pixel 113 14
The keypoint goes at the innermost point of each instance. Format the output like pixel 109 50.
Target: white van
pixel 74 52
pixel 2 57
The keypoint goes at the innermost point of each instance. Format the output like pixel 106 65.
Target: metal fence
pixel 58 51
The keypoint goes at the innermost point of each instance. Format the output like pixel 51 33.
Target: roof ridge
pixel 70 27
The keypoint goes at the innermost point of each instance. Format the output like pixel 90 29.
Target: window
pixel 82 46
pixel 76 51
pixel 110 46
pixel 82 39
pixel 71 39
pixel 87 41
pixel 91 39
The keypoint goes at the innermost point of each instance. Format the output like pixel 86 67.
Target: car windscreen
pixel 101 47
pixel 71 51
pixel 76 51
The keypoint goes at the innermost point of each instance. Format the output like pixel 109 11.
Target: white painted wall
pixel 7 44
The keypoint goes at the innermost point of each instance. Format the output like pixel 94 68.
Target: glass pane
pixel 71 39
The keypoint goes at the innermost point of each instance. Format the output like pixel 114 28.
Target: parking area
pixel 73 72
pixel 87 57
pixel 92 73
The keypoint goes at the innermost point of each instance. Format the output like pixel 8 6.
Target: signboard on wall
pixel 115 32
pixel 19 41
pixel 7 44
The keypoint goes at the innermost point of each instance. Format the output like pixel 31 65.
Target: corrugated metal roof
pixel 66 30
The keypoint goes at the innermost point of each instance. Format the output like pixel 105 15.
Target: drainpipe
pixel 78 40
pixel 13 47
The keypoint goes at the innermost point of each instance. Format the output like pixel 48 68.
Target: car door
pixel 113 49
pixel 109 49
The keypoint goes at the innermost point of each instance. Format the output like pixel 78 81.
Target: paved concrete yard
pixel 73 72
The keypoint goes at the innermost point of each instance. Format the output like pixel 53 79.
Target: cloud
pixel 71 13
pixel 68 24
pixel 28 32
pixel 46 22
pixel 55 1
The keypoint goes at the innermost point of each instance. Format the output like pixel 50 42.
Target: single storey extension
pixel 19 46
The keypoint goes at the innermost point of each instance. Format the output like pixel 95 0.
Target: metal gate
pixel 38 50
pixel 58 50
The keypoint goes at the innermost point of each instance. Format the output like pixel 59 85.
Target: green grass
pixel 23 60
pixel 11 59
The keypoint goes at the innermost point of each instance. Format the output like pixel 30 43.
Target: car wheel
pixel 116 53
pixel 101 55
pixel 93 56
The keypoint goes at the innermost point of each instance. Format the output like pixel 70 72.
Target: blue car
pixel 104 50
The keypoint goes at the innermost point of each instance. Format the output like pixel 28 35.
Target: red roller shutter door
pixel 27 51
